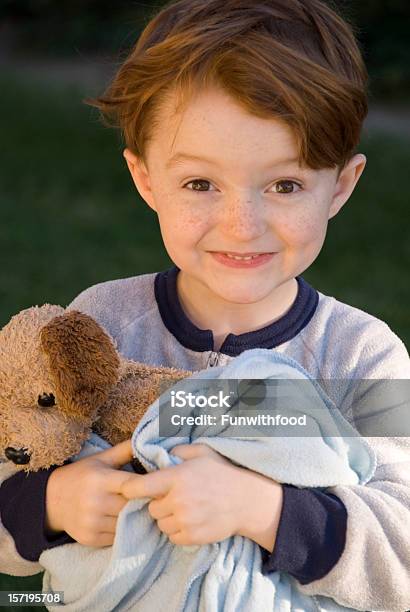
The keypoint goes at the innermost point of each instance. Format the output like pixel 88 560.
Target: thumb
pixel 118 455
pixel 190 451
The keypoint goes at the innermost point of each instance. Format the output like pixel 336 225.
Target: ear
pixel 346 182
pixel 140 176
pixel 83 362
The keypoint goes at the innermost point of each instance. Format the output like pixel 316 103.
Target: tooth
pixel 239 258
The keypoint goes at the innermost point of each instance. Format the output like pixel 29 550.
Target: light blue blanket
pixel 144 571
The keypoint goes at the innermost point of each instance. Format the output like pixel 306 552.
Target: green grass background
pixel 70 217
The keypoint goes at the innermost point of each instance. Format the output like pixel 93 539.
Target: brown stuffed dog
pixel 61 378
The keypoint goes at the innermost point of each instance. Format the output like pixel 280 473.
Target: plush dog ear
pixel 83 362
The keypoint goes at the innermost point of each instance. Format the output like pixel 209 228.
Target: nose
pixel 17 456
pixel 243 218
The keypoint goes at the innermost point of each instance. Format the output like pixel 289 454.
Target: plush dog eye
pixel 46 400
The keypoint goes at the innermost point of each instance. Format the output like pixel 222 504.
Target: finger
pixel 118 455
pixel 114 480
pixel 168 525
pixel 114 504
pixel 160 508
pixel 180 538
pixel 154 484
pixel 190 451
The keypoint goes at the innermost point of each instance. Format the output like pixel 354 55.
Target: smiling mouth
pixel 241 256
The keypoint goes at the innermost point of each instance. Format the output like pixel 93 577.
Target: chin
pixel 246 296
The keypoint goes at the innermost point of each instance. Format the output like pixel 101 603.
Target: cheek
pixel 306 223
pixel 182 220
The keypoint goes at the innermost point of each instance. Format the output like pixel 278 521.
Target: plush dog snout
pixel 18 456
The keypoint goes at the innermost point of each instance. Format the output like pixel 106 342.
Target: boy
pixel 240 120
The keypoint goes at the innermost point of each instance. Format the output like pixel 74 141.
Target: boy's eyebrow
pixel 179 158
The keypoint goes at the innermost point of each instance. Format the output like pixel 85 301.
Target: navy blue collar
pixel 190 336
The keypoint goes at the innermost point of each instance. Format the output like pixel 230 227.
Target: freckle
pixel 189 220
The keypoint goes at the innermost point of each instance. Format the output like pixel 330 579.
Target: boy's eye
pixel 287 187
pixel 198 185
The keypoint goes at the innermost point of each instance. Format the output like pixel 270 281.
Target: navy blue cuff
pixel 22 511
pixel 311 534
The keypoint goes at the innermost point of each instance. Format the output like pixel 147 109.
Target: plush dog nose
pixel 18 456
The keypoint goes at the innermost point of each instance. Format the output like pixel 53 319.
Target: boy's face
pixel 244 194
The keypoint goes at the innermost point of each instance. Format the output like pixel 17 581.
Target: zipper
pixel 213 359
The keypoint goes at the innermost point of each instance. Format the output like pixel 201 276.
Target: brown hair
pixel 296 60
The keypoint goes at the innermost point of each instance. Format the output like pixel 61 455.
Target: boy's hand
pixel 83 498
pixel 207 499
